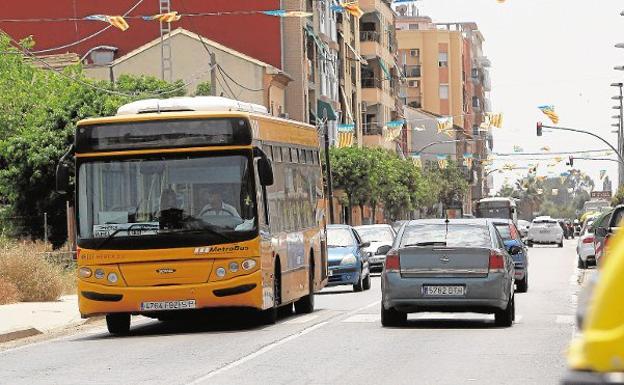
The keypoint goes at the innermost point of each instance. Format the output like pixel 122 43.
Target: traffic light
pixel 539 128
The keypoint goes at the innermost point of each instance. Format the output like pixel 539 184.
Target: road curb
pixel 18 334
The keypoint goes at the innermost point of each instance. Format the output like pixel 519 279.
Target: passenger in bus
pixel 216 206
pixel 170 214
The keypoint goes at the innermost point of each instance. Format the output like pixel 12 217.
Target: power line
pixel 87 37
pixel 159 92
pixel 223 72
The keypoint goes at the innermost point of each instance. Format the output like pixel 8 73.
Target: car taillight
pixel 497 261
pixel 393 262
pixel 588 240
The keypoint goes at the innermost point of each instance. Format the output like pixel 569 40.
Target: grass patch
pixel 36 275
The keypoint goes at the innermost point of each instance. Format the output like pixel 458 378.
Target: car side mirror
pixel 265 171
pixel 515 250
pixel 62 178
pixel 364 244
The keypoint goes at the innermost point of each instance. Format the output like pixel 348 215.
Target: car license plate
pixel 168 305
pixel 544 232
pixel 444 291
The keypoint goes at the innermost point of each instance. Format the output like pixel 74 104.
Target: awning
pixel 355 53
pixel 325 110
pixel 384 68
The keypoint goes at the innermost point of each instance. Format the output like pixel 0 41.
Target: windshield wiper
pixel 198 230
pixel 117 231
pixel 432 243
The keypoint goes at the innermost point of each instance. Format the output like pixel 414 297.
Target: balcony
pixel 370 36
pixel 371 83
pixel 372 129
pixel 415 103
pixel 412 71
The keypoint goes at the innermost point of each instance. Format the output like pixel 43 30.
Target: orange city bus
pixel 191 203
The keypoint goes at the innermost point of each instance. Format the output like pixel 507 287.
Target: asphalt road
pixel 340 343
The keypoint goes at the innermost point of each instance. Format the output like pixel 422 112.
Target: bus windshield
pixel 166 197
pixel 494 210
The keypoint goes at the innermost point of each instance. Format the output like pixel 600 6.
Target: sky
pixel 558 52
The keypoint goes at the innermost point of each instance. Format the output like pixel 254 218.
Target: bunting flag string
pixel 445 126
pixel 442 161
pixel 284 13
pixel 545 148
pixel 116 21
pixel 549 111
pixel 417 160
pixel 168 17
pixel 346 135
pixel 352 7
pixel 468 159
pixel 392 130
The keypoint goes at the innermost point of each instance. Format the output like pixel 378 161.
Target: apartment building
pixel 380 76
pixel 447 74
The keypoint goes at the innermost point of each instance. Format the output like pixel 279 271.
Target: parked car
pixel 585 250
pixel 545 231
pixel 448 265
pixel 523 228
pixel 604 227
pixel 381 238
pixel 511 236
pixel 347 260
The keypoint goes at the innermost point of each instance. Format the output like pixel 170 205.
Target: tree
pixel 38 114
pixel 452 184
pixel 203 89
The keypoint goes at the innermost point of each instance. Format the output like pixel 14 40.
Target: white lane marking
pixel 565 319
pixel 273 345
pixel 257 353
pixel 363 318
pixel 302 319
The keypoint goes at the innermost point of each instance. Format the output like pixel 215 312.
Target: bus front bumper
pixel 243 291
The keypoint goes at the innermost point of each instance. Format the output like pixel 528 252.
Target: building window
pixel 415 84
pixel 414 52
pixel 476 103
pixel 444 91
pixel 475 130
pixel 413 26
pixel 443 59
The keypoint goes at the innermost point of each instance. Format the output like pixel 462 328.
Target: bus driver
pixel 216 206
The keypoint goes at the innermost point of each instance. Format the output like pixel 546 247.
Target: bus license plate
pixel 168 305
pixel 444 291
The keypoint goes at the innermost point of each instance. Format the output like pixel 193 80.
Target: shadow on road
pixel 204 321
pixel 449 324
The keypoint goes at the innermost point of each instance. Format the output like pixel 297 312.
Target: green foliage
pixel 38 114
pixel 374 177
pixel 618 198
pixel 203 89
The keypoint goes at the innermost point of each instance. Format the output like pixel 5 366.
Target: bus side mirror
pixel 265 171
pixel 62 178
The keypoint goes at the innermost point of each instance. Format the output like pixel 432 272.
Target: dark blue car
pixel 348 262
pixel 511 236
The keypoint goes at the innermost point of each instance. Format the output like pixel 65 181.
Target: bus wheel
pixel 269 316
pixel 118 323
pixel 306 304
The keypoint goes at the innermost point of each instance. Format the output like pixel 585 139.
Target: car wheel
pixel 367 282
pixel 359 286
pixel 506 317
pixel 306 304
pixel 118 323
pixel 523 286
pixel 530 243
pixel 560 244
pixel 581 264
pixel 392 317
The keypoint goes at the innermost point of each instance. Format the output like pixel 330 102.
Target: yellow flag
pixel 345 139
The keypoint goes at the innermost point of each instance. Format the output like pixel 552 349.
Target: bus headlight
pixel 220 272
pixel 233 267
pixel 112 278
pixel 248 264
pixel 99 273
pixel 84 272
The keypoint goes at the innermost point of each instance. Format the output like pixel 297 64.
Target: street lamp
pixel 620 130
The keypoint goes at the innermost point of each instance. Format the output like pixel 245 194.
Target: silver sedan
pixel 456 265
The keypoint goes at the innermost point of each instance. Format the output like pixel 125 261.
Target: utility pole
pixel 165 45
pixel 213 74
pixel 620 126
pixel 328 175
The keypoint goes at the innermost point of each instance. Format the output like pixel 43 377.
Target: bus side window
pixel 262 198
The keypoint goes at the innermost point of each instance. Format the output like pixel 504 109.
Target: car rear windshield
pixel 505 231
pixel 545 224
pixel 453 235
pixel 376 234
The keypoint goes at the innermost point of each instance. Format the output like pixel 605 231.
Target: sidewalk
pixel 26 319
